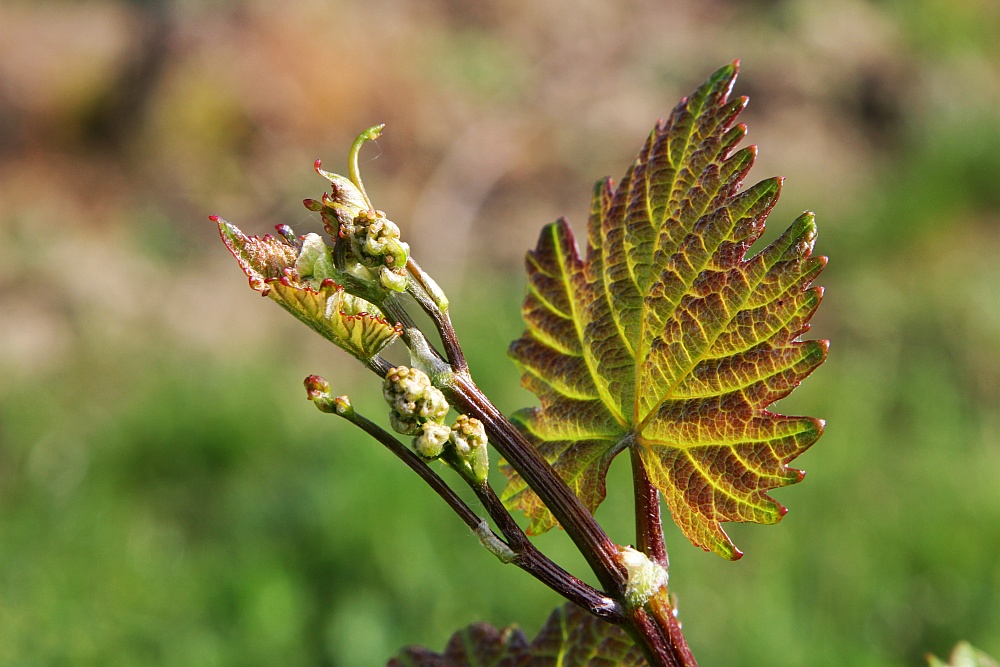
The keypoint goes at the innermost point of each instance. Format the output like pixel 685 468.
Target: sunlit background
pixel 169 497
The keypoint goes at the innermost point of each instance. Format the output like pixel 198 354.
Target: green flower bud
pixel 468 434
pixel 412 400
pixel 374 243
pixel 342 404
pixel 468 438
pixel 430 443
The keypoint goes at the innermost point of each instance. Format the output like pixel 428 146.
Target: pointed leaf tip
pixel 665 336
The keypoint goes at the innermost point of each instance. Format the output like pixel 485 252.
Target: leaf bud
pixel 412 400
pixel 318 391
pixel 645 578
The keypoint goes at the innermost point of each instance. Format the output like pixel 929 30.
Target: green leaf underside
pixel 666 337
pixel 345 320
pixel 570 638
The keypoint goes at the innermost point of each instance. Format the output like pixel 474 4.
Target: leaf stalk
pixel 648 523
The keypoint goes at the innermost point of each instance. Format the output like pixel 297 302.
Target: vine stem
pixel 648 524
pixel 597 548
pixel 604 607
pixel 649 539
pixel 659 613
pixel 526 555
pixel 653 626
pixel 434 303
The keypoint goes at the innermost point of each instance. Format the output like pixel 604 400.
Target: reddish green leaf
pixel 570 638
pixel 666 337
pixel 302 281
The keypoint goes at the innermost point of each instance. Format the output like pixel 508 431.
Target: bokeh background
pixel 169 497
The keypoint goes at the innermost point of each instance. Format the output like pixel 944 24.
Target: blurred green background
pixel 169 497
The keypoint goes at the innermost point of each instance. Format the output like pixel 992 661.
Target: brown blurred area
pixel 124 124
pixel 166 493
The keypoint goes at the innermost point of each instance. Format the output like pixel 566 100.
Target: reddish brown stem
pixel 648 524
pixel 659 614
pixel 654 628
pixel 598 549
pixel 528 558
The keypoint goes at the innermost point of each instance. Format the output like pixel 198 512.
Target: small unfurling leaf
pixel 303 280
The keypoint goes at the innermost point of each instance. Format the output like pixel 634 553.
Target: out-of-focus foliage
pixel 168 497
pixel 964 655
pixel 570 638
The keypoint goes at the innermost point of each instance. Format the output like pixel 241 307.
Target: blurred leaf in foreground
pixel 667 338
pixel 570 638
pixel 964 655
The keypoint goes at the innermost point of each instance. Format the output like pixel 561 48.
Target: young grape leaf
pixel 570 638
pixel 299 279
pixel 667 337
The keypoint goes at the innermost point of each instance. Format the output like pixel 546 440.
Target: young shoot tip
pixel 370 134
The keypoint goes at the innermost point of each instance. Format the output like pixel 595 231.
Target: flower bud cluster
pixel 414 402
pixel 318 391
pixel 418 408
pixel 432 439
pixel 374 243
pixel 372 240
pixel 468 437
